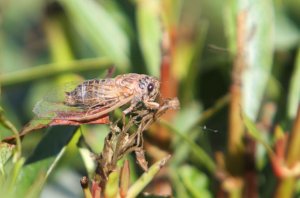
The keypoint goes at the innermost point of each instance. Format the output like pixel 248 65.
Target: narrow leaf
pixel 195 181
pixel 256 134
pixel 41 163
pixel 100 29
pixel 150 33
pixel 6 151
pixel 112 186
pixel 253 39
pixel 145 179
pixel 258 50
pixel 294 92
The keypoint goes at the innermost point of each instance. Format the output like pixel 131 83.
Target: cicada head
pixel 149 87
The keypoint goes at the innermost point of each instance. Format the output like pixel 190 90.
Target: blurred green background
pixel 212 55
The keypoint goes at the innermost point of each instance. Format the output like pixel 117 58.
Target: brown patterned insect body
pixel 94 98
pixel 90 93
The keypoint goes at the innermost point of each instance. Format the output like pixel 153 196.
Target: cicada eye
pixel 150 87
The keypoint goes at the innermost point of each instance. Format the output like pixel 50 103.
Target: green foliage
pixel 196 182
pixel 195 48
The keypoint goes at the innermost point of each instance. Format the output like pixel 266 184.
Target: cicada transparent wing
pixel 90 100
pixel 53 104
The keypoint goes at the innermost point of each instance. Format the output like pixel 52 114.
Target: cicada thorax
pixel 143 87
pixel 126 84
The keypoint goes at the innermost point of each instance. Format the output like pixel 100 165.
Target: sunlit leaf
pixel 149 25
pixel 186 118
pixel 112 186
pixel 43 160
pixel 6 151
pixel 102 32
pixel 195 181
pixel 255 42
pixel 294 91
pixel 50 70
pixel 230 10
pixel 256 134
pixel 144 180
pixel 259 41
pixel 287 33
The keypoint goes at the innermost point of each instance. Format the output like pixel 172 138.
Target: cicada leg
pixel 151 105
pixel 130 108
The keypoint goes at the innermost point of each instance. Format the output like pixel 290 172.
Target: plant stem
pixel 141 183
pixel 6 123
pixel 48 70
pixel 236 128
pixel 286 186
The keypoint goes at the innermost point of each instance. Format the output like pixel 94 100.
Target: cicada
pixel 94 98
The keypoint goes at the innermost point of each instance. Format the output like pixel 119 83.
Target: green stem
pixel 48 70
pixel 286 186
pixel 142 182
pixel 6 123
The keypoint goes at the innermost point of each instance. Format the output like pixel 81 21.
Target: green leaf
pixel 53 69
pixel 92 142
pixel 195 181
pixel 287 33
pixel 6 152
pixel 43 160
pixel 184 120
pixel 294 92
pixel 150 33
pixel 256 134
pixel 145 179
pixel 187 117
pixel 99 29
pixel 187 65
pixel 230 9
pixel 179 189
pixel 259 41
pixel 255 36
pixel 4 122
pixel 112 186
